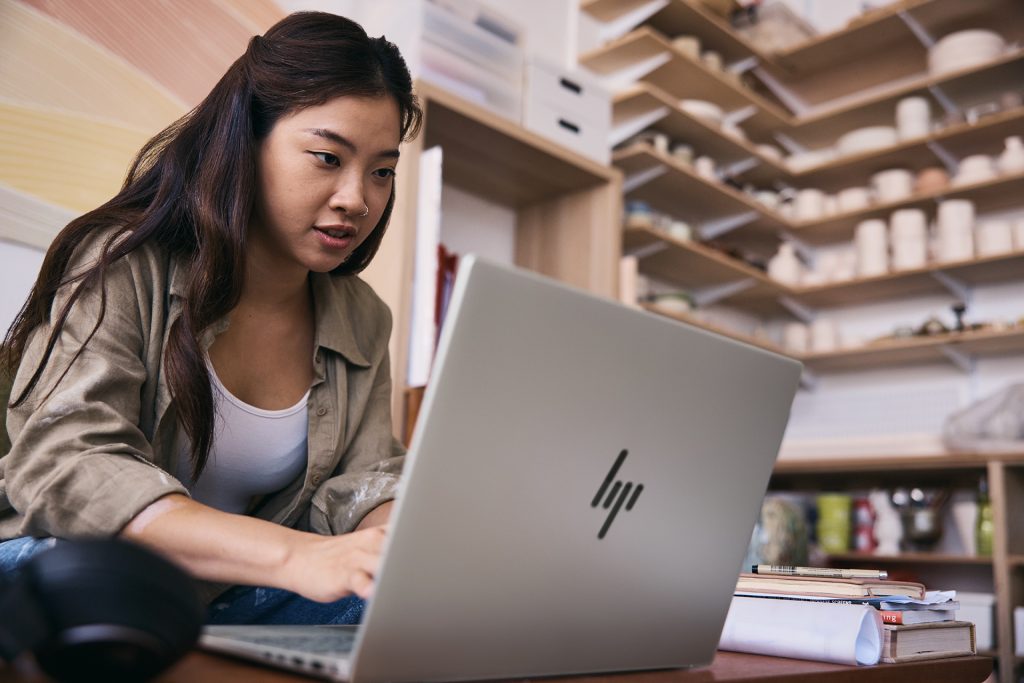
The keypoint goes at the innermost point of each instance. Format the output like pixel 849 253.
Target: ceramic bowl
pixel 706 111
pixel 866 139
pixel 964 49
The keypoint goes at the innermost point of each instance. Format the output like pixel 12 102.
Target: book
pixel 936 640
pixel 915 616
pixel 837 588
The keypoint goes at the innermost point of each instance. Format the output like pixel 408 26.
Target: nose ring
pixel 366 211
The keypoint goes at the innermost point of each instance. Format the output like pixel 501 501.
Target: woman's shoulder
pixel 149 264
pixel 351 299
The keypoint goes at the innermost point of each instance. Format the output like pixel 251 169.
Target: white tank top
pixel 254 451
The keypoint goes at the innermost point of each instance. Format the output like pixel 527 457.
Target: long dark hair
pixel 192 191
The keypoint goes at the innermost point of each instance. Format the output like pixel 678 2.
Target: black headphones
pixel 99 610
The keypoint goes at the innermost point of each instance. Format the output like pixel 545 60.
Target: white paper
pixel 423 331
pixel 842 634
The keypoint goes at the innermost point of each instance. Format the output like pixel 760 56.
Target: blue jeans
pixel 238 605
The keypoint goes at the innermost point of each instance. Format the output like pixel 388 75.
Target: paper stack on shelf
pixel 938 640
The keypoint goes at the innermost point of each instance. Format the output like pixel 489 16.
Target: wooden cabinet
pixel 567 208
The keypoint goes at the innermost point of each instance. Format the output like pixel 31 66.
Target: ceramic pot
pixel 1012 158
pixel 872 248
pixel 913 118
pixel 932 179
pixel 994 237
pixel 809 204
pixel 976 168
pixel 955 230
pixel 892 185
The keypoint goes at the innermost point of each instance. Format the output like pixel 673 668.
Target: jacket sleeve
pixel 368 473
pixel 79 464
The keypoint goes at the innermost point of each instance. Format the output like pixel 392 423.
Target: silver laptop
pixel 578 497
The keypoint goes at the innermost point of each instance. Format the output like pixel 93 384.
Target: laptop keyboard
pixel 325 641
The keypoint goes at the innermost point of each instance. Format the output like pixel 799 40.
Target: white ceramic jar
pixel 785 267
pixel 809 204
pixel 872 248
pixel 955 230
pixel 908 237
pixel 913 118
pixel 824 335
pixel 1012 158
pixel 892 185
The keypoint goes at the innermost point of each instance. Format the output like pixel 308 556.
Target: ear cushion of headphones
pixel 118 611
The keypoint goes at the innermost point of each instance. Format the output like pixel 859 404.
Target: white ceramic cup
pixel 809 204
pixel 908 224
pixel 853 199
pixel 795 337
pixel 913 118
pixel 1012 158
pixel 955 230
pixel 824 335
pixel 994 237
pixel 908 239
pixel 785 267
pixel 872 248
pixel 892 185
pixel 705 168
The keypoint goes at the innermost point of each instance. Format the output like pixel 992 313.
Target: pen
pixel 820 572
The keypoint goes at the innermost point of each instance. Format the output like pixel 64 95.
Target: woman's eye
pixel 327 158
pixel 385 173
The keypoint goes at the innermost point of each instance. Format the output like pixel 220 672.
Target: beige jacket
pixel 99 450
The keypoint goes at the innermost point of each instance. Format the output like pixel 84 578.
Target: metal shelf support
pixel 641 178
pixel 919 31
pixel 648 250
pixel 956 288
pixel 806 252
pixel 706 296
pixel 719 227
pixel 960 359
pixel 948 160
pixel 948 105
pixel 791 145
pixel 801 311
pixel 785 95
pixel 741 166
pixel 743 65
pixel 739 116
pixel 636 124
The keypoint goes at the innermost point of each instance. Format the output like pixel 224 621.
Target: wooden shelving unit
pixel 908 558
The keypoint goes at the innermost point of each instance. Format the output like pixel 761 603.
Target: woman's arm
pixel 228 548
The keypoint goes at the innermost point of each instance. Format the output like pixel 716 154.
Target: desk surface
pixel 728 667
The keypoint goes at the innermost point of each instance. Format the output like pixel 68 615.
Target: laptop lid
pixel 580 490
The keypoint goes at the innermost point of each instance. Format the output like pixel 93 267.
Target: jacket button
pixel 316 479
pixel 321 411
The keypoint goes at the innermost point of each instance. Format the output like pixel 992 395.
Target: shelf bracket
pixel 959 358
pixel 807 253
pixel 626 76
pixel 741 166
pixel 647 250
pixel 706 296
pixel 948 160
pixel 919 31
pixel 958 289
pixel 791 145
pixel 636 180
pixel 719 227
pixel 636 124
pixel 743 65
pixel 739 116
pixel 801 312
pixel 809 380
pixel 948 105
pixel 785 95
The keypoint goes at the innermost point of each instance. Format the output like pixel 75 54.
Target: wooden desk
pixel 729 667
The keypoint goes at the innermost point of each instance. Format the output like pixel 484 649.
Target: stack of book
pixel 847 616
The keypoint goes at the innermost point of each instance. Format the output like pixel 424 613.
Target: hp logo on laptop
pixel 617 496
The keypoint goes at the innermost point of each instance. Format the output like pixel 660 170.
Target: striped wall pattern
pixel 84 83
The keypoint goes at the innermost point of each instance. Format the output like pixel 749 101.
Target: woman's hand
pixel 326 568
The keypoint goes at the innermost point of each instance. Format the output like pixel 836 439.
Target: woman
pixel 198 368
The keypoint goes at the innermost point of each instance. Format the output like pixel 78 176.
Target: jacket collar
pixel 336 310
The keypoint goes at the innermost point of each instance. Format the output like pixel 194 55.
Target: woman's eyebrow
pixel 331 135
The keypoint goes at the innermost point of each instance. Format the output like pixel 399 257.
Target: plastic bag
pixel 994 424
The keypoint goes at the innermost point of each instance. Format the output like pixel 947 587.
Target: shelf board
pixel 490 156
pixel 892 463
pixel 681 193
pixel 917 350
pixel 988 195
pixel 685 77
pixel 875 106
pixel 706 138
pixel 985 136
pixel 918 282
pixel 692 265
pixel 910 558
pixel 1015 560
pixel 690 319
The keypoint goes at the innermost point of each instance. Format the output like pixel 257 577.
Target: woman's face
pixel 324 177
